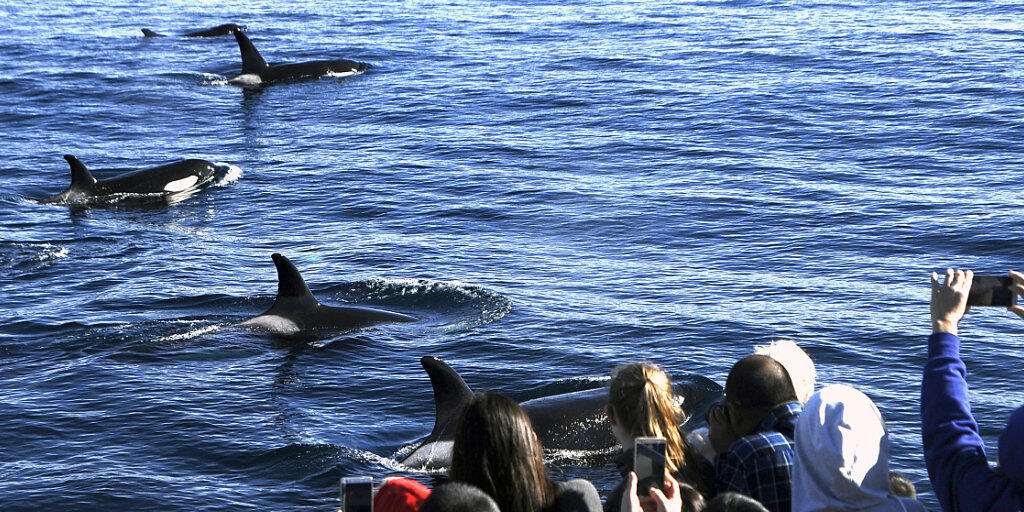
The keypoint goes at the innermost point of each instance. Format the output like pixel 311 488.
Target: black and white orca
pixel 219 30
pixel 256 71
pixel 570 421
pixel 155 183
pixel 296 312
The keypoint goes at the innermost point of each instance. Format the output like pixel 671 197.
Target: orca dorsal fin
pixel 252 61
pixel 451 395
pixel 290 285
pixel 81 178
pixel 149 33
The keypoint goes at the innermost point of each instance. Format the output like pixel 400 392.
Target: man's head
pixel 756 385
pixel 796 362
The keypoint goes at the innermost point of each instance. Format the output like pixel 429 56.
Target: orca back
pixel 219 30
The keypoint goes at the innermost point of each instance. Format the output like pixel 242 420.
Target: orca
pixel 219 30
pixel 155 183
pixel 296 312
pixel 570 421
pixel 256 71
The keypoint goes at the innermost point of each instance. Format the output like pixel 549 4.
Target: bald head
pixel 758 381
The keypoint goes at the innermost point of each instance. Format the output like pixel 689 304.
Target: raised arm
pixel 953 449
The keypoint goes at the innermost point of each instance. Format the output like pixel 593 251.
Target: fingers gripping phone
pixel 357 494
pixel 991 291
pixel 649 464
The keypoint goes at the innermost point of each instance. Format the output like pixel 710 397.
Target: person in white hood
pixel 842 456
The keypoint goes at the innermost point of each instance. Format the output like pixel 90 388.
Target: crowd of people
pixel 773 443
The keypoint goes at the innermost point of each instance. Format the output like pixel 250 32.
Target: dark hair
pixel 496 450
pixel 693 500
pixel 734 502
pixel 759 381
pixel 901 486
pixel 457 497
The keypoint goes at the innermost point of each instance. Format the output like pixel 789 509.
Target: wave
pixel 14 254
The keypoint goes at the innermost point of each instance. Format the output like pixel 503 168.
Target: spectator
pixel 496 450
pixel 842 456
pixel 953 448
pixel 457 497
pixel 641 404
pixel 752 432
pixel 802 375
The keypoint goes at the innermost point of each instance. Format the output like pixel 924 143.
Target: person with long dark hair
pixel 496 450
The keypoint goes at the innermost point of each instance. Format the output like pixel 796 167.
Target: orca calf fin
pixel 252 61
pixel 81 178
pixel 149 33
pixel 451 395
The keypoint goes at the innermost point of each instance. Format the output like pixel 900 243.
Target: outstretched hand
pixel 949 300
pixel 669 501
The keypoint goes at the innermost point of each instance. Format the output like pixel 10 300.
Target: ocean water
pixel 552 187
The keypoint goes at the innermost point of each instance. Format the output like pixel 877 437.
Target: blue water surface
pixel 552 187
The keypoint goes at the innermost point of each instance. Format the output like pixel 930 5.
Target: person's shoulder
pixel 577 495
pixel 758 442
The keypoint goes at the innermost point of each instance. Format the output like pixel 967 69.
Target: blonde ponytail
pixel 643 402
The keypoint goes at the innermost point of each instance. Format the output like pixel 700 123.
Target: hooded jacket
pixel 953 449
pixel 842 456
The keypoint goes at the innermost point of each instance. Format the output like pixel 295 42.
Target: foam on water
pixel 232 175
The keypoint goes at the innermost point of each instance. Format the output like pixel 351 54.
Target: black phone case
pixel 990 291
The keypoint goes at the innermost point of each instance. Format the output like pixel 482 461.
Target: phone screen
pixel 990 291
pixel 649 464
pixel 357 494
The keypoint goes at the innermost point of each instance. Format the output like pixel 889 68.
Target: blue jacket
pixel 953 448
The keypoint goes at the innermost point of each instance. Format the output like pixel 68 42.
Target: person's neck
pixel 623 437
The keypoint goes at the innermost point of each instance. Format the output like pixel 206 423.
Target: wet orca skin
pixel 256 71
pixel 179 177
pixel 570 421
pixel 296 312
pixel 219 30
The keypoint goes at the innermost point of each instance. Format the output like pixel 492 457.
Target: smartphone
pixel 357 494
pixel 649 464
pixel 990 291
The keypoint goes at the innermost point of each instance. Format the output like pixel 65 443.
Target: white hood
pixel 842 455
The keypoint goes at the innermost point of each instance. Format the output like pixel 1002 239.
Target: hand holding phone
pixel 649 464
pixel 357 494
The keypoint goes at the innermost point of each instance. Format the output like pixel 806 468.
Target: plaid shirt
pixel 760 464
